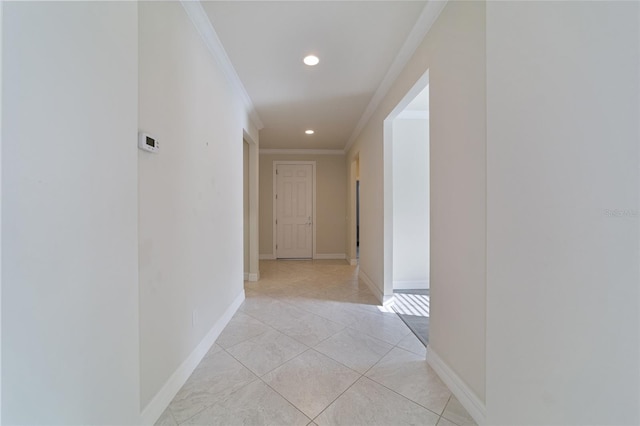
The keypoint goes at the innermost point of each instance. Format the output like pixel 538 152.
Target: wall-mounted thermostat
pixel 148 143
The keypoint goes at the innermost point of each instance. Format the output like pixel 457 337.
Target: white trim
pixel 468 398
pixel 413 115
pixel 301 152
pixel 330 256
pixel 254 201
pixel 387 207
pixel 426 19
pixel 203 25
pixel 267 257
pixel 246 276
pixel 410 285
pixel 254 277
pixel 384 300
pixel 1 44
pixel 352 261
pixel 165 395
pixel 313 201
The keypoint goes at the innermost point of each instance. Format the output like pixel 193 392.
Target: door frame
pixel 313 202
pixel 254 201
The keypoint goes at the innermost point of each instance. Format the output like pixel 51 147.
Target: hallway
pixel 311 343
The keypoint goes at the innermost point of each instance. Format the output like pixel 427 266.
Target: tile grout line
pixel 404 397
pixel 350 297
pixel 252 337
pixel 260 378
pixel 296 339
pixel 398 393
pixel 280 365
pixel 336 398
pixel 284 397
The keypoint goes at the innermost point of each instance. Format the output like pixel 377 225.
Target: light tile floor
pixel 311 346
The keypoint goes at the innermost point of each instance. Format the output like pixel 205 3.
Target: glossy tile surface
pixel 354 349
pixel 410 375
pixel 412 344
pixel 311 346
pixel 254 404
pixel 455 412
pixel 266 351
pixel 445 422
pixel 241 327
pixel 166 419
pixel 311 329
pixel 217 376
pixel 322 380
pixel 368 403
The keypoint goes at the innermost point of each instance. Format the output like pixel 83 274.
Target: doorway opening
pixel 407 209
pixel 358 219
pixel 353 242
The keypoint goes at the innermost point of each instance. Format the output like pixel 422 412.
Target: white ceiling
pixel 356 41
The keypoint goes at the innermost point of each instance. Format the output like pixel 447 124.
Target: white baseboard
pixel 246 276
pixel 160 402
pixel 353 262
pixel 374 289
pixel 411 285
pixel 330 256
pixel 254 277
pixel 469 400
pixel 266 257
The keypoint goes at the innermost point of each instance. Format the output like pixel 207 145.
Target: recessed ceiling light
pixel 309 132
pixel 311 60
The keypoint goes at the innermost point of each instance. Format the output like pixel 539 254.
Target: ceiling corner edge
pixel 425 21
pixel 204 27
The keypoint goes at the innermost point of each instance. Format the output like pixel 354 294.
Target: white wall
pixel 562 287
pixel 69 214
pixel 191 194
pixel 454 54
pixel 109 251
pixel 410 157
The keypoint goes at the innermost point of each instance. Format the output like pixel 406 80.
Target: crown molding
pixel 203 25
pixel 302 151
pixel 427 17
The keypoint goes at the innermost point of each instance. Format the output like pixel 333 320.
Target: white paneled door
pixel 294 211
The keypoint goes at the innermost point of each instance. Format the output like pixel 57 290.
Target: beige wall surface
pixel 190 193
pixel 331 198
pixel 528 221
pixel 454 54
pixel 563 101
